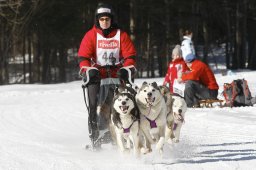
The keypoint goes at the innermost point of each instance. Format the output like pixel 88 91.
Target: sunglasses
pixel 104 19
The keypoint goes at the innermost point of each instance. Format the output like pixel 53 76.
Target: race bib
pixel 108 49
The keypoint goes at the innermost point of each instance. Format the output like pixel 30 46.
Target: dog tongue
pixel 150 100
pixel 123 108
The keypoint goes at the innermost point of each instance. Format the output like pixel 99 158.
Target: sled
pixel 103 116
pixel 104 106
pixel 209 103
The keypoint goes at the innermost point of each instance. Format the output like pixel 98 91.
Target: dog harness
pixel 152 123
pixel 127 130
pixel 174 126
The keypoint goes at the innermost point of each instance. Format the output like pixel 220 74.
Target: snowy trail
pixel 45 127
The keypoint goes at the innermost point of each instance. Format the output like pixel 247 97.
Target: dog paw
pixel 154 140
pixel 125 151
pixel 169 141
pixel 160 145
pixel 145 150
pixel 137 153
pixel 175 140
pixel 160 151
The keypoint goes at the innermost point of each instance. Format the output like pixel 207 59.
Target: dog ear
pixel 116 92
pixel 135 114
pixel 173 100
pixel 162 90
pixel 144 83
pixel 154 84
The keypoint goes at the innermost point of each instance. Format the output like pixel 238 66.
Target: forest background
pixel 39 39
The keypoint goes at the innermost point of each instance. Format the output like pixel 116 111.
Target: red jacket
pixel 202 73
pixel 88 49
pixel 172 72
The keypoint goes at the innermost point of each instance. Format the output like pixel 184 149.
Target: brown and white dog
pixel 153 113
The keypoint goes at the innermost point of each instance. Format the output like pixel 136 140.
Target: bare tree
pixel 14 16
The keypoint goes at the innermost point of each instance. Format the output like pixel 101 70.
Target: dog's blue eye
pixel 119 99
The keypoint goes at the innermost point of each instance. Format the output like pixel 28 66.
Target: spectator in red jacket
pixel 176 67
pixel 106 56
pixel 200 82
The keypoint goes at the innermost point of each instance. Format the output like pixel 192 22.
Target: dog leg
pixel 112 132
pixel 168 133
pixel 177 134
pixel 128 143
pixel 136 143
pixel 148 140
pixel 120 142
pixel 160 143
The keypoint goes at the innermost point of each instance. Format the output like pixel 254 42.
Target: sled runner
pixel 209 102
pixel 103 138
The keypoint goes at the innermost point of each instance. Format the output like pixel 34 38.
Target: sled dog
pixel 153 113
pixel 175 119
pixel 125 119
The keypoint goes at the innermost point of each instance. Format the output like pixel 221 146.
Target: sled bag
pixel 237 93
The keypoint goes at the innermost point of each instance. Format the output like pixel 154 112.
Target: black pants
pixel 100 95
pixel 194 91
pixel 93 95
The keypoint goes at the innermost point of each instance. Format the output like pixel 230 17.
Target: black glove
pixel 127 74
pixel 91 76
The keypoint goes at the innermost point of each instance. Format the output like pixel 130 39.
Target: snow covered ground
pixel 45 127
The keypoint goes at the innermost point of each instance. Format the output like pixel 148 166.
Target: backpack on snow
pixel 237 93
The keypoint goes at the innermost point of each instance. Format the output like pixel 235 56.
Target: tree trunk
pixel 238 43
pixel 244 56
pixel 36 60
pixel 228 38
pixel 206 42
pixel 252 61
pixel 167 52
pixel 24 58
pixel 46 65
pixel 1 50
pixel 62 68
pixel 30 59
pixel 148 47
pixel 6 53
pixel 252 44
pixel 132 20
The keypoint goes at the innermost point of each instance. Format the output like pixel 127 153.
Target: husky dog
pixel 175 119
pixel 153 113
pixel 125 119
